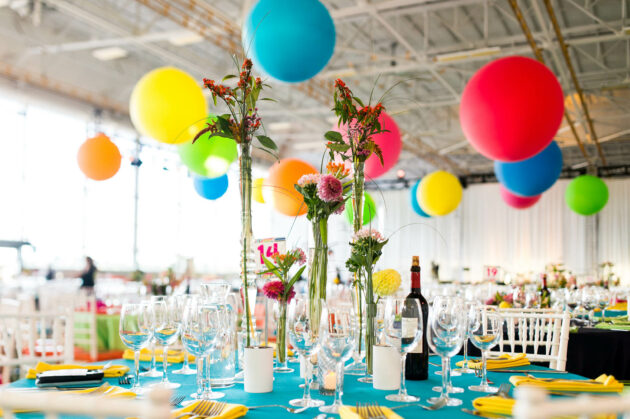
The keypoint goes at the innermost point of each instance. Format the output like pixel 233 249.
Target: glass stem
pixel 402 391
pixel 186 365
pixel 445 376
pixel 465 365
pixel 338 386
pixel 165 363
pixel 200 383
pixel 484 375
pixel 308 378
pixel 208 383
pixel 153 367
pixel 137 365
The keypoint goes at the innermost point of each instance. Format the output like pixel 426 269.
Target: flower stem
pixel 245 163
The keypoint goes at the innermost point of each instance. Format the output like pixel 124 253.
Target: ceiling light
pixel 185 38
pixel 465 55
pixel 579 165
pixel 110 53
pixel 279 126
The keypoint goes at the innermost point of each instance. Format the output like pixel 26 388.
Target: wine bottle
pixel 417 364
pixel 545 295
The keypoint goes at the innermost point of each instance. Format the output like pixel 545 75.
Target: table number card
pixel 268 247
pixel 491 273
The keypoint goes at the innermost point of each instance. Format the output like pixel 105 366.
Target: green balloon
pixel 209 157
pixel 369 209
pixel 586 195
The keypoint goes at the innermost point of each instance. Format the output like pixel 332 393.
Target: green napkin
pixel 615 326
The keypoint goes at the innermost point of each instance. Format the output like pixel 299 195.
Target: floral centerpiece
pixel 282 291
pixel 324 195
pixel 241 123
pixel 365 250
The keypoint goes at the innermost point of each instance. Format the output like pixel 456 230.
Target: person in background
pixel 50 274
pixel 89 273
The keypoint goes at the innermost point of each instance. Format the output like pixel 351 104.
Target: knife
pixel 529 370
pixel 483 415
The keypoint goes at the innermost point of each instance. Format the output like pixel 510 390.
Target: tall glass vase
pixel 281 337
pixel 358 182
pixel 370 316
pixel 247 254
pixel 317 275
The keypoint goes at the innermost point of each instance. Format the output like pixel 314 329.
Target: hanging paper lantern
pixel 511 109
pixel 279 186
pixel 516 201
pixel 533 176
pixel 211 188
pixel 257 189
pixel 586 195
pixel 99 158
pixel 369 210
pixel 168 105
pixel 390 144
pixel 414 201
pixel 290 40
pixel 439 193
pixel 208 157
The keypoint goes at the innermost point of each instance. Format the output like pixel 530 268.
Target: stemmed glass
pixel 200 329
pixel 135 329
pixel 166 332
pixel 445 334
pixel 337 342
pixel 472 323
pixel 485 338
pixel 180 304
pixel 153 371
pixel 305 339
pixel 403 330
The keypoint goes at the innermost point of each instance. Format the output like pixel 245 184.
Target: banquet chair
pixel 54 403
pixel 85 327
pixel 543 334
pixel 534 403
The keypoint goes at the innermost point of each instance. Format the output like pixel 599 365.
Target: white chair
pixel 52 404
pixel 533 403
pixel 541 333
pixel 85 329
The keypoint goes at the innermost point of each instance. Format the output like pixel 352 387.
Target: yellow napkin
pixel 602 384
pixel 349 412
pixel 618 306
pixel 111 371
pixel 231 411
pixel 504 361
pixel 174 357
pixel 494 404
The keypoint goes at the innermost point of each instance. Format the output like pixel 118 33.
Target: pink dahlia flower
pixel 274 290
pixel 329 189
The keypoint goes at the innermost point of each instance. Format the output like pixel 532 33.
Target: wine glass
pixel 485 338
pixel 337 342
pixel 153 372
pixel 472 323
pixel 305 339
pixel 403 330
pixel 135 329
pixel 358 367
pixel 166 332
pixel 180 302
pixel 200 329
pixel 446 329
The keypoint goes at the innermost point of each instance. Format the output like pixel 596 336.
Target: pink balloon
pixel 516 201
pixel 511 109
pixel 390 144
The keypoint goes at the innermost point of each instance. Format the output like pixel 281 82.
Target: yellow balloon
pixel 439 193
pixel 257 189
pixel 168 105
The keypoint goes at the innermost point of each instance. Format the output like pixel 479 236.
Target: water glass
pixel 180 302
pixel 472 324
pixel 166 331
pixel 485 338
pixel 136 329
pixel 153 370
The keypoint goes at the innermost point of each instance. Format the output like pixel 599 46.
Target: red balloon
pixel 390 144
pixel 516 201
pixel 511 109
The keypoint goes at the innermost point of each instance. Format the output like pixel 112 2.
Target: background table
pixel 286 388
pixel 592 352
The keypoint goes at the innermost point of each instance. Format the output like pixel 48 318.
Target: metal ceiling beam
pixel 395 7
pixel 576 83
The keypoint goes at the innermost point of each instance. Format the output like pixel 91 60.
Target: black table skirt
pixel 592 352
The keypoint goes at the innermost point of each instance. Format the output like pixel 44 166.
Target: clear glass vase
pixel 318 270
pixel 281 338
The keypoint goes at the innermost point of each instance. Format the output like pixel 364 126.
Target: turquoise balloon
pixel 414 201
pixel 211 188
pixel 586 195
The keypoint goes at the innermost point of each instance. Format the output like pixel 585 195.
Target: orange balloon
pixel 99 158
pixel 279 190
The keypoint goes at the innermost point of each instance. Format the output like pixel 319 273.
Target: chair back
pixel 543 334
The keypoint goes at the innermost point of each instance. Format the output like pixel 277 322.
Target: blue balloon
pixel 532 176
pixel 414 201
pixel 211 188
pixel 291 40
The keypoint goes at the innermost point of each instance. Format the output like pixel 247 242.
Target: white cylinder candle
pixel 386 368
pixel 258 370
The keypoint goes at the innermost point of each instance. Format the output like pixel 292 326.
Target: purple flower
pixel 300 257
pixel 329 189
pixel 340 208
pixel 274 290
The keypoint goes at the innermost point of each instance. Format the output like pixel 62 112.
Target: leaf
pixel 297 276
pixel 269 99
pixel 200 133
pixel 229 76
pixel 379 153
pixel 274 155
pixel 224 124
pixel 339 148
pixel 334 136
pixel 359 101
pixel 272 268
pixel 221 134
pixel 267 142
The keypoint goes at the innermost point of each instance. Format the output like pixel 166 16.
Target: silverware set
pixel 288 409
pixel 205 409
pixel 370 411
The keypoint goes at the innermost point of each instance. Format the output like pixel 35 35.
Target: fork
pixel 176 400
pixel 123 381
pixel 437 405
pixel 479 374
pixel 216 409
pixel 375 411
pixel 288 409
pixel 200 410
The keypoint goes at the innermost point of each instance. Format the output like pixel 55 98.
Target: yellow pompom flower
pixel 386 282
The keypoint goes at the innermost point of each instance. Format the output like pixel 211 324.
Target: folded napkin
pixel 494 404
pixel 619 306
pixel 230 411
pixel 504 361
pixel 613 326
pixel 602 384
pixel 111 371
pixel 174 357
pixel 349 412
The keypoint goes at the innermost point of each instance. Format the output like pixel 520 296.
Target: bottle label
pixel 409 327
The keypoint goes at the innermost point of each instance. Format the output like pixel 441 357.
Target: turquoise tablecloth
pixel 286 388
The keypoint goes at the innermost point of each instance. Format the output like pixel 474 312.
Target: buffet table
pixel 286 388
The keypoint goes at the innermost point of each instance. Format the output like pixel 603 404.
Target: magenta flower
pixel 329 188
pixel 300 257
pixel 341 207
pixel 274 290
